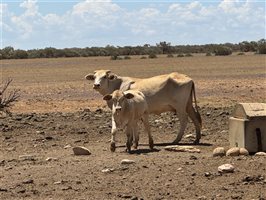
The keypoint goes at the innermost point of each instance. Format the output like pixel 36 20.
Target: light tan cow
pixel 169 92
pixel 128 108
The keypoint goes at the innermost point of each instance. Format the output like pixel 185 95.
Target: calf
pixel 127 109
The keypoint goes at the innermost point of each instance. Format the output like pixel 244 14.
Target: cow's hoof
pixel 112 147
pixel 196 141
pixel 176 141
pixel 151 144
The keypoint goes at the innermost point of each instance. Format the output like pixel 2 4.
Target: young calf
pixel 127 109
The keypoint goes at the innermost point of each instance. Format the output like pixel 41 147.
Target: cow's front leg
pixel 113 133
pixel 129 133
pixel 135 136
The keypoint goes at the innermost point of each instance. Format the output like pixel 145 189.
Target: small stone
pixel 3 190
pixel 28 181
pixel 226 168
pixel 27 157
pixel 81 151
pixel 189 136
pixel 207 174
pixel 67 146
pixel 234 151
pixel 179 148
pixel 127 161
pixel 219 151
pixel 108 170
pixel 51 158
pixel 243 152
pixel 260 154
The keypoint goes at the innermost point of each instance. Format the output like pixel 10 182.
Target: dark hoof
pixel 151 144
pixel 196 142
pixel 112 147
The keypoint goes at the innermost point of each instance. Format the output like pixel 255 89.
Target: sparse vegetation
pixel 180 55
pixel 7 98
pixel 160 48
pixel 188 55
pixel 143 57
pixel 170 56
pixel 152 55
pixel 241 54
pixel 127 57
pixel 208 54
pixel 223 51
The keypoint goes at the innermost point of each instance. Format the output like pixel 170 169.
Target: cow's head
pixel 119 99
pixel 101 79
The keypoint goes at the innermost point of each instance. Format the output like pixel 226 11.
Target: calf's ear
pixel 129 95
pixel 89 77
pixel 107 97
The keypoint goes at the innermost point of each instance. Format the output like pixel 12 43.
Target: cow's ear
pixel 107 97
pixel 90 77
pixel 112 77
pixel 129 95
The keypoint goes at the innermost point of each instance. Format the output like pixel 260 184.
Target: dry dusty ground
pixel 58 109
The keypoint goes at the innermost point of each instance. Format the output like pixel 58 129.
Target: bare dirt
pixel 58 110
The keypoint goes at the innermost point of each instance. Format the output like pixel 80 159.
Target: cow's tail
pixel 193 94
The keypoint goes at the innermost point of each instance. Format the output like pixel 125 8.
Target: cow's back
pixel 164 91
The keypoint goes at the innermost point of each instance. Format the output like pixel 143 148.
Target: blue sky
pixel 33 24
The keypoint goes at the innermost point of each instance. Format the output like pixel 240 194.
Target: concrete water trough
pixel 247 127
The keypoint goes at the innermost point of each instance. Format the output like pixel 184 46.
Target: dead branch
pixel 7 99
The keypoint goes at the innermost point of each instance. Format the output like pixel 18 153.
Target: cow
pixel 169 92
pixel 128 108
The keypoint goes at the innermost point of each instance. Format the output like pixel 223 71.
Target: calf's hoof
pixel 112 147
pixel 151 144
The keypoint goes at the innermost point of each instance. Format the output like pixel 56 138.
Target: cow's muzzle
pixel 96 86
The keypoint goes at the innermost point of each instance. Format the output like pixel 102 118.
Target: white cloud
pixel 105 22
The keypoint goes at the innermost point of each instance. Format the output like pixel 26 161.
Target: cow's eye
pixel 105 76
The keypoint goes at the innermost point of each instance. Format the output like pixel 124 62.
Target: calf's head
pixel 101 79
pixel 119 99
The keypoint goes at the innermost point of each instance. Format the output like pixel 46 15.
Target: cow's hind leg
pixel 183 118
pixel 196 119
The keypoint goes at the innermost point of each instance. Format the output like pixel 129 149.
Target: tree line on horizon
pixel 160 48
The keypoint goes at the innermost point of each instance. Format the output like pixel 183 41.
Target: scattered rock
pixel 178 148
pixel 81 151
pixel 189 136
pixel 51 159
pixel 67 146
pixel 260 154
pixel 234 151
pixel 108 170
pixel 27 157
pixel 127 161
pixel 27 181
pixel 243 152
pixel 226 168
pixel 3 190
pixel 219 151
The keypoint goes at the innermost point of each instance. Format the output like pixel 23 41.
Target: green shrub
pixel 188 55
pixel 222 51
pixel 116 57
pixel 180 55
pixel 127 57
pixel 143 57
pixel 152 55
pixel 208 54
pixel 170 56
pixel 262 48
pixel 241 54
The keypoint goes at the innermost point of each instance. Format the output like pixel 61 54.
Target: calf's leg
pixel 113 133
pixel 148 130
